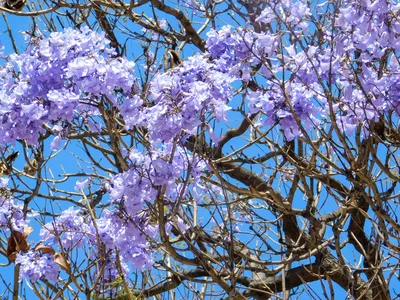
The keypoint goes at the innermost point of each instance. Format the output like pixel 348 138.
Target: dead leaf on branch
pixel 45 249
pixel 6 164
pixel 62 262
pixel 30 168
pixel 17 242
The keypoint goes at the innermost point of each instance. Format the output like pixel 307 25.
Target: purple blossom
pixel 184 96
pixel 56 76
pixel 266 16
pixel 70 228
pixel 130 110
pixel 81 185
pixel 56 143
pixel 298 11
pixel 127 234
pixel 37 266
pixel 12 215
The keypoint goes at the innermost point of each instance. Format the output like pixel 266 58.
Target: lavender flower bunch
pixel 55 79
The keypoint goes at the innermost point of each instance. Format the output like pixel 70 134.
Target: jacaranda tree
pixel 232 149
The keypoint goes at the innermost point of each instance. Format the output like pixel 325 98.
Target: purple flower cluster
pixel 293 13
pixel 11 215
pixel 58 77
pixel 160 167
pixel 117 230
pixel 289 114
pixel 129 234
pixel 36 265
pixel 368 32
pixel 69 229
pixel 236 52
pixel 365 33
pixel 182 99
pixel 128 227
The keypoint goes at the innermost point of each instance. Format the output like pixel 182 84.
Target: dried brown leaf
pixel 62 262
pixel 45 249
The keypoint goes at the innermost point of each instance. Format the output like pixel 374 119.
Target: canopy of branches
pixel 231 149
